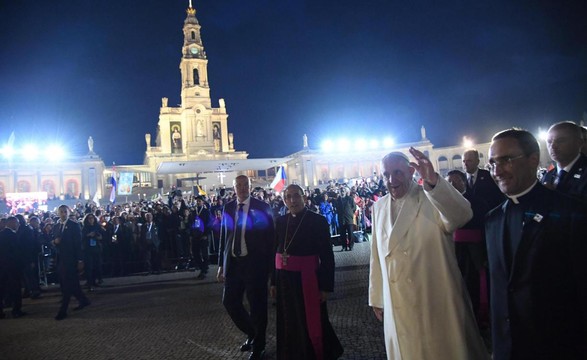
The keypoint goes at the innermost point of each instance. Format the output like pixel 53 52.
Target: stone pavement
pixel 175 316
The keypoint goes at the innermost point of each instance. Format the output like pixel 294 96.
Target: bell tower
pixel 195 89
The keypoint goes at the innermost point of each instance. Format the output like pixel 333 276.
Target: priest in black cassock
pixel 304 275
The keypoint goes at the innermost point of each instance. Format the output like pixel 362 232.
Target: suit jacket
pixel 538 304
pixel 70 246
pixel 8 251
pixel 574 183
pixel 486 188
pixel 345 207
pixel 259 237
pixel 145 242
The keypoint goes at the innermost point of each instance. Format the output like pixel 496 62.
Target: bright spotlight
pixel 543 135
pixel 7 151
pixel 373 144
pixel 360 144
pixel 467 143
pixel 55 153
pixel 327 145
pixel 30 152
pixel 343 145
pixel 388 142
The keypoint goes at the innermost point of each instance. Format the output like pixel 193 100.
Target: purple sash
pixel 307 266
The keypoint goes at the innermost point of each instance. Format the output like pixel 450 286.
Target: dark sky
pixel 74 68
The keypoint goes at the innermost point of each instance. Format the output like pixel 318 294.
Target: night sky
pixel 74 68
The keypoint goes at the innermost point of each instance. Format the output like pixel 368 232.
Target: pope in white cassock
pixel 415 286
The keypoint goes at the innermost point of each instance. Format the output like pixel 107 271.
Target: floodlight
pixel 360 145
pixel 327 145
pixel 30 152
pixel 467 143
pixel 388 142
pixel 55 152
pixel 7 151
pixel 542 134
pixel 373 144
pixel 343 144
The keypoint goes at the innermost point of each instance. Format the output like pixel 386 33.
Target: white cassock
pixel 415 278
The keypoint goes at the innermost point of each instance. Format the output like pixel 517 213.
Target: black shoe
pixel 257 354
pixel 82 305
pixel 202 276
pixel 17 314
pixel 247 345
pixel 60 316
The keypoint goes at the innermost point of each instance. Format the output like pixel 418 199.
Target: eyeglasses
pixel 293 196
pixel 503 161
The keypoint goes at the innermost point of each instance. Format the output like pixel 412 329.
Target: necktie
pixel 471 181
pixel 560 178
pixel 239 230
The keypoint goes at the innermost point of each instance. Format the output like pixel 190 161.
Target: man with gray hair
pixel 564 142
pixel 415 285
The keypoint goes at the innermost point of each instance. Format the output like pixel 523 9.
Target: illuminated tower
pixel 194 130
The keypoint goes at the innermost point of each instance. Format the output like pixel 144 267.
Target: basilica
pixel 193 146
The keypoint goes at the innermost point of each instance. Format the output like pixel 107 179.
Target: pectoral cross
pixel 284 257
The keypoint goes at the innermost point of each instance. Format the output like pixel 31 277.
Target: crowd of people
pixel 443 250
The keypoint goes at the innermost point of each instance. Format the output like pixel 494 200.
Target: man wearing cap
pixel 415 286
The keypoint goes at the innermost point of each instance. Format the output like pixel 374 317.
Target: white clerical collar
pixel 570 166
pixel 514 198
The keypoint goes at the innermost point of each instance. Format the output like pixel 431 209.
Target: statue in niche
pixel 91 145
pixel 200 128
pixel 176 147
pixel 216 136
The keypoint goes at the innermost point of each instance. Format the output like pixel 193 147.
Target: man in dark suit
pixel 537 250
pixel 479 181
pixel 149 243
pixel 68 240
pixel 245 261
pixel 470 246
pixel 345 207
pixel 10 271
pixel 200 229
pixel 564 142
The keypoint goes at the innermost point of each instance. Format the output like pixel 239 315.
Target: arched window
pixel 49 188
pixel 443 163
pixel 72 188
pixel 457 162
pixel 23 186
pixel 193 34
pixel 196 77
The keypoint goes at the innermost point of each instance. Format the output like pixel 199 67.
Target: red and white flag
pixel 279 182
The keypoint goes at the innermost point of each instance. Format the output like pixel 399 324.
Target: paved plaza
pixel 175 316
